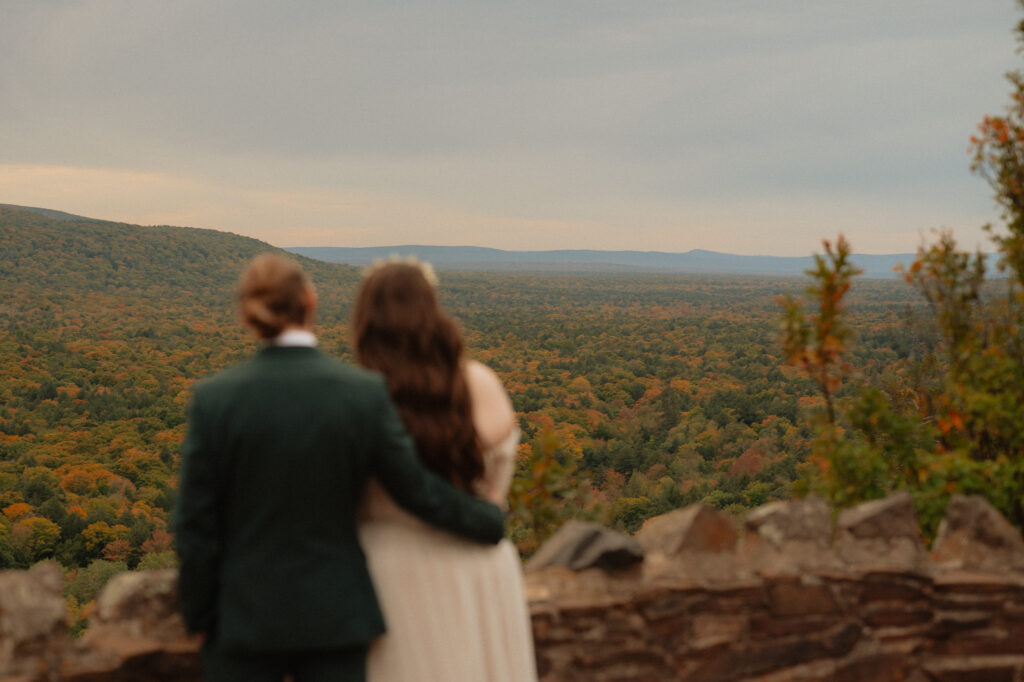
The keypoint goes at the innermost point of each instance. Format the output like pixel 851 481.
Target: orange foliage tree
pixel 950 420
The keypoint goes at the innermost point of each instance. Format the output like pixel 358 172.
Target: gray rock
pixel 33 619
pixel 975 535
pixel 889 518
pixel 697 528
pixel 136 633
pixel 806 520
pixel 136 600
pixel 788 537
pixel 579 545
pixel 881 532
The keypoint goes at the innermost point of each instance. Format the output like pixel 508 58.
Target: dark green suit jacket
pixel 273 466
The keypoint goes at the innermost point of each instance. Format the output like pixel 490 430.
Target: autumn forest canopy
pixel 636 394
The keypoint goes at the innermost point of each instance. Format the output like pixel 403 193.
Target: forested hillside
pixel 636 393
pixel 103 328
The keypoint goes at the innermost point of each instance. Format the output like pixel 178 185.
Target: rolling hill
pixel 45 249
pixel 103 329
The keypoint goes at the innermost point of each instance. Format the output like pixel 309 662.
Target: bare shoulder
pixel 481 377
pixel 493 415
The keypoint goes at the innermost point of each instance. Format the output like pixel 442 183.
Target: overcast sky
pixel 745 126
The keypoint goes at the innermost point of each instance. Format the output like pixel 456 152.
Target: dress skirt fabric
pixel 454 610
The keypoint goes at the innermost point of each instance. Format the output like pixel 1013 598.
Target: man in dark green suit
pixel 277 454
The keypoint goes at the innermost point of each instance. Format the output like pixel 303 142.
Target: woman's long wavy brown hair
pixel 400 330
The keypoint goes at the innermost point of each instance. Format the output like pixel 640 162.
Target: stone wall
pixel 792 596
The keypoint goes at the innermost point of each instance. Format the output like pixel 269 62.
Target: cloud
pixel 314 216
pixel 595 120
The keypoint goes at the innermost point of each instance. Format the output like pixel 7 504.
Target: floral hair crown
pixel 424 267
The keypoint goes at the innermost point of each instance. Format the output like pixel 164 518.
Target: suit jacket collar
pixel 287 351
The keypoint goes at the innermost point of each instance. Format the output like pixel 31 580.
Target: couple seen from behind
pixel 338 523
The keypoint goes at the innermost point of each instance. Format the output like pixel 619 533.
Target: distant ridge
pixel 483 259
pixel 50 213
pixel 697 261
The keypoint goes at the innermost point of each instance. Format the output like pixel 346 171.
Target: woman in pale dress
pixel 455 611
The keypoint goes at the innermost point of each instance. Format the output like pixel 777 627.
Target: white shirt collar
pixel 294 337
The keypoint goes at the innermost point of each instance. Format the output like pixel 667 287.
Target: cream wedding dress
pixel 455 610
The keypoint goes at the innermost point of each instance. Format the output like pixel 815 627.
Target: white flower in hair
pixel 426 268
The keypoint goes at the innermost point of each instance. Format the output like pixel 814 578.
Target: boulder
pixel 697 528
pixel 974 535
pixel 33 620
pixel 882 533
pixel 789 536
pixel 806 520
pixel 139 604
pixel 136 633
pixel 580 545
pixel 695 542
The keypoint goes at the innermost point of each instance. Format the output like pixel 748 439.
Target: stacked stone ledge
pixel 793 595
pixel 795 598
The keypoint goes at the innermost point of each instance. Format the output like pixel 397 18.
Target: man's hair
pixel 272 294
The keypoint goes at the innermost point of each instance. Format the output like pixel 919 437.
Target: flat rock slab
pixel 33 619
pixel 806 520
pixel 579 545
pixel 697 528
pixel 974 535
pixel 881 532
